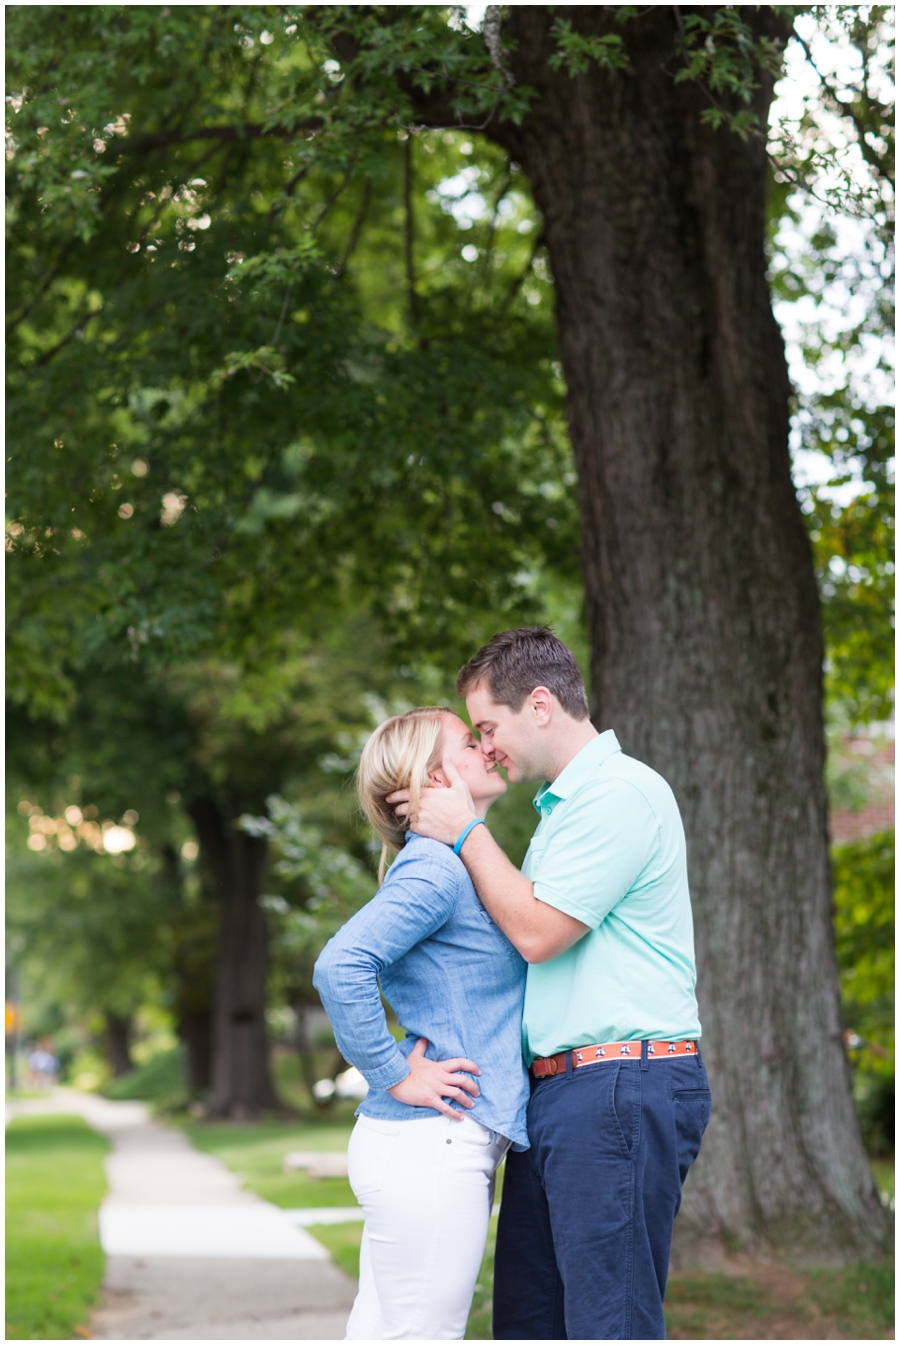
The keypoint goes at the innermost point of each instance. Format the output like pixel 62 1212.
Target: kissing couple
pixel 549 1017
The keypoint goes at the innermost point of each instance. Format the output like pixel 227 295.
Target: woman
pixel 428 1138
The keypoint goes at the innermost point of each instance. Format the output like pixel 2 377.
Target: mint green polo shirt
pixel 609 850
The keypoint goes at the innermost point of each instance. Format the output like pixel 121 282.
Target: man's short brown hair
pixel 514 662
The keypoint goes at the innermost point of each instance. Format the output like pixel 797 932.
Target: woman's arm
pixel 416 899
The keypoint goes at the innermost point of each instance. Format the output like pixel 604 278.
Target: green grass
pixel 856 1303
pixel 703 1307
pixel 54 1185
pixel 257 1152
pixel 860 1297
pixel 342 1241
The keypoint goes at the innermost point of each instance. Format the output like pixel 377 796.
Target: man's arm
pixel 538 931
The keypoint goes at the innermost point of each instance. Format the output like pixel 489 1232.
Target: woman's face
pixel 464 750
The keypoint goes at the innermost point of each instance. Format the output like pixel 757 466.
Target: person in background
pixel 428 1137
pixel 43 1067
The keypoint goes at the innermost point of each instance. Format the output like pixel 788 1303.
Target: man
pixel 601 912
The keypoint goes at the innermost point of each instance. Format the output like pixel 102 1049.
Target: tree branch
pixel 409 233
pixel 330 202
pixel 356 231
pixel 520 279
pixel 223 134
pixel 880 163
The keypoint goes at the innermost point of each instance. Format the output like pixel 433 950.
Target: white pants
pixel 426 1187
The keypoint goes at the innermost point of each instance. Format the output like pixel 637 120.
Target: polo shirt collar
pixel 583 767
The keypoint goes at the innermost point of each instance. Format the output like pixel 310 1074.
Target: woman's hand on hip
pixel 429 1082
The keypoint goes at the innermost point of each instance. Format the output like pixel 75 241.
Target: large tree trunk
pixel 233 867
pixel 117 1030
pixel 704 617
pixel 194 930
pixel 195 1034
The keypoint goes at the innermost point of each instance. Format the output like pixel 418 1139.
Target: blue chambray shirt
pixel 449 974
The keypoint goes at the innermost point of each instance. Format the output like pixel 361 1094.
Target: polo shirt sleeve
pixel 594 854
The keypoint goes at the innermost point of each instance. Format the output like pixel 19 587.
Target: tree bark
pixel 701 597
pixel 118 1030
pixel 233 866
pixel 195 1032
pixel 194 927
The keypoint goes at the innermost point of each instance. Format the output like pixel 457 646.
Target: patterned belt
pixel 611 1050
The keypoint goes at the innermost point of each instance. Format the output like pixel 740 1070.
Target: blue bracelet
pixel 479 821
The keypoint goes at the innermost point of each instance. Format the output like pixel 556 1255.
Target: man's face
pixel 512 740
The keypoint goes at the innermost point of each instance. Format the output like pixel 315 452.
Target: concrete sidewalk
pixel 190 1254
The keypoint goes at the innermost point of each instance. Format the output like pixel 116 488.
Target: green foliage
pixel 413 460
pixel 857 95
pixel 324 885
pixel 724 56
pixel 160 1080
pixel 54 1185
pixel 853 547
pixel 88 927
pixel 864 932
pixel 575 51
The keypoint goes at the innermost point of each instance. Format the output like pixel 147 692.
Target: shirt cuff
pixel 387 1075
pixel 568 906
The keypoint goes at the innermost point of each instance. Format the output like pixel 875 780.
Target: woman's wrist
pixel 464 834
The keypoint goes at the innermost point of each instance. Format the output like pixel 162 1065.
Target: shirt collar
pixel 583 766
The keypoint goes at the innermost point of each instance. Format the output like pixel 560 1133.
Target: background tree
pixel 215 551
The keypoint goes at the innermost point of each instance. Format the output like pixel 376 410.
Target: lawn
pixel 777 1303
pixel 54 1185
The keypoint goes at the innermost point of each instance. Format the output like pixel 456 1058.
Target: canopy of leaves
pixel 236 398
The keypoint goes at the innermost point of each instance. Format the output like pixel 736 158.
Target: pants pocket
pixel 369 1153
pixel 692 1112
pixel 476 1134
pixel 626 1105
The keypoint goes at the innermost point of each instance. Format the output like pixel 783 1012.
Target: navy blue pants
pixel 585 1226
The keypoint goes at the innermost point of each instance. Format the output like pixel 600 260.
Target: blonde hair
pixel 399 755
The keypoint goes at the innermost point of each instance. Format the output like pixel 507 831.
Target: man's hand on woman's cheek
pixel 443 812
